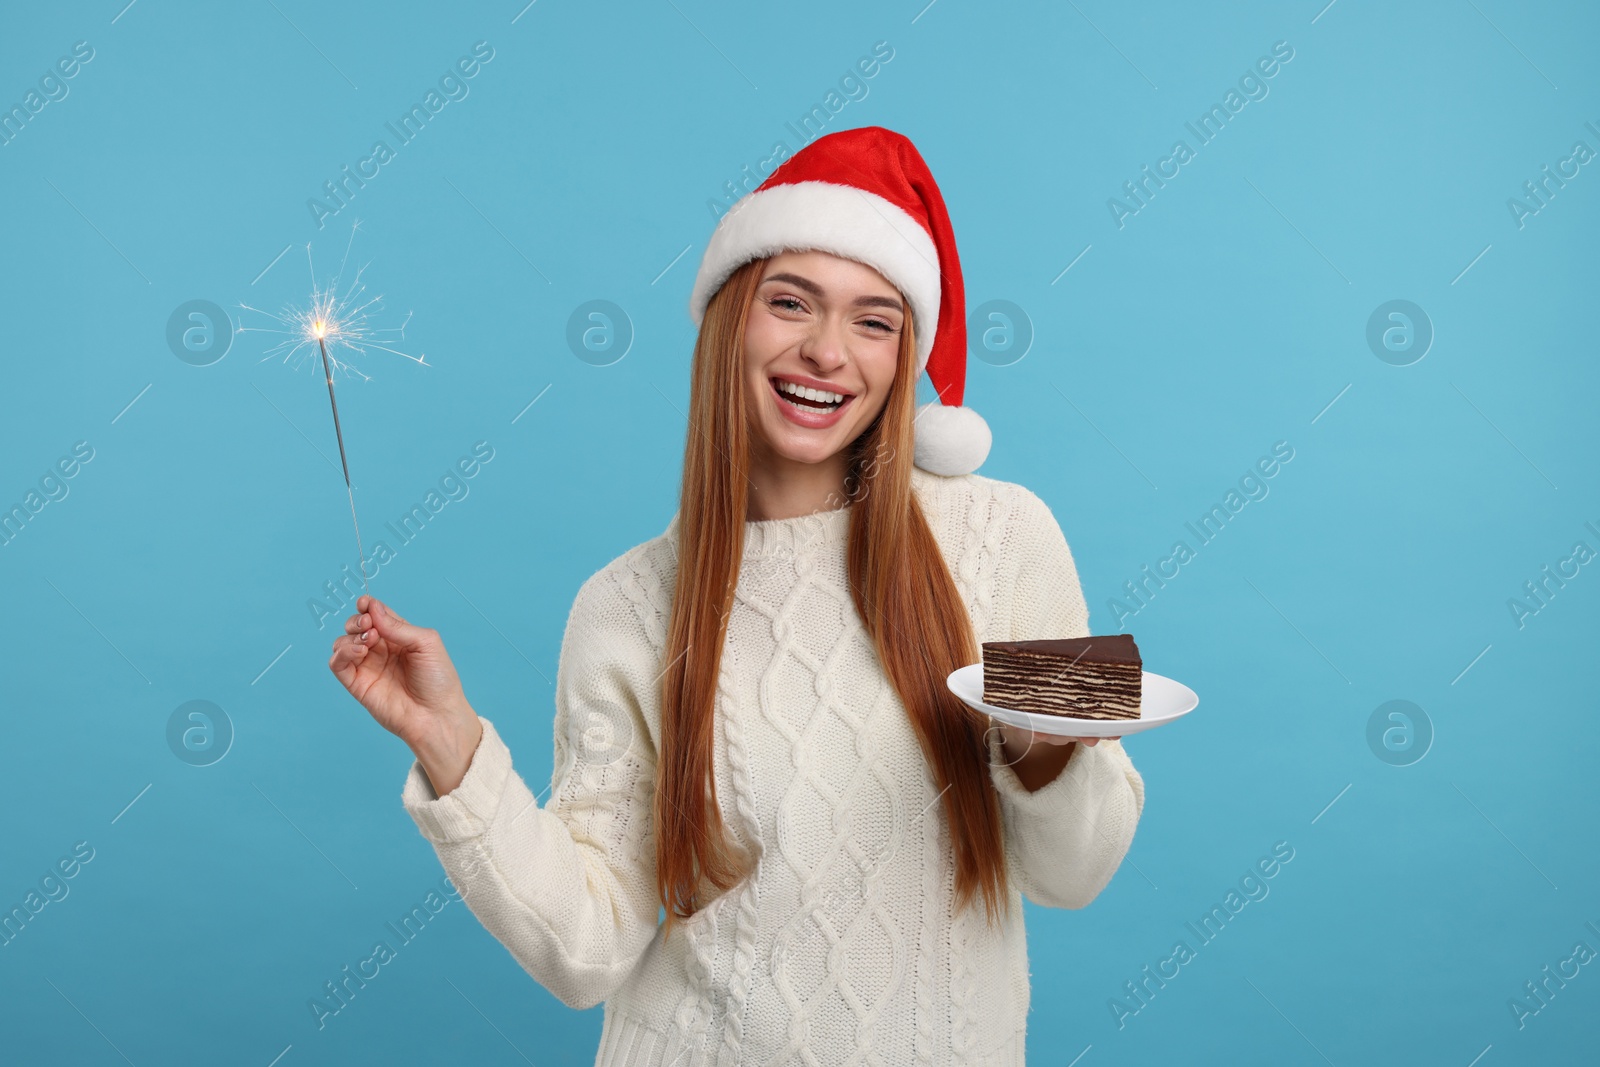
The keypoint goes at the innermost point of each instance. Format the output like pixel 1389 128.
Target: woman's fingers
pixel 372 605
pixel 1048 739
pixel 347 652
pixel 1023 735
pixel 392 628
pixel 1057 739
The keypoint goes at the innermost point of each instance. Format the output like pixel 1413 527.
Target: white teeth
pixel 822 396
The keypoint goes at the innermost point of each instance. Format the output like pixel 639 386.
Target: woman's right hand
pixel 404 678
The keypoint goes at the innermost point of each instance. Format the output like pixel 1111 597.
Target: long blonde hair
pixel 912 611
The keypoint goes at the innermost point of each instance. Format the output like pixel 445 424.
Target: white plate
pixel 1161 700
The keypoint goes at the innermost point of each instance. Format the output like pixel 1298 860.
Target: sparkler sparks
pixel 335 319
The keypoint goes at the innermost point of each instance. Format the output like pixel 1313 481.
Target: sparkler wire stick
pixel 336 315
pixel 327 369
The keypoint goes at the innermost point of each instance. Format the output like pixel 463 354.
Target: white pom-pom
pixel 950 440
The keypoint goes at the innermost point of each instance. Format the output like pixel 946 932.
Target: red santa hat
pixel 867 195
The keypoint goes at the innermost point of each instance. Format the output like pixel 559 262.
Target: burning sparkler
pixel 334 318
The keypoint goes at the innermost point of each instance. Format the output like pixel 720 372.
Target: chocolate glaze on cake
pixel 1097 677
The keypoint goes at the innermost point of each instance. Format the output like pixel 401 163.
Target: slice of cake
pixel 1084 677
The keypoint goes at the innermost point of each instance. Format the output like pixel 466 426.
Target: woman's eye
pixel 787 303
pixel 879 324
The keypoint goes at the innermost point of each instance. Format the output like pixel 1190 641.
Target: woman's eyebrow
pixel 798 282
pixel 816 290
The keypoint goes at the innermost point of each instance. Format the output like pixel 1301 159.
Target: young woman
pixel 773 835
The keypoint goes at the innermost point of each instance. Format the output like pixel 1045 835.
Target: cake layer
pixel 1077 691
pixel 1098 677
pixel 1047 702
pixel 1123 702
pixel 1101 648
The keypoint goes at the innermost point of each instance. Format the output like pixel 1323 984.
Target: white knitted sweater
pixel 842 949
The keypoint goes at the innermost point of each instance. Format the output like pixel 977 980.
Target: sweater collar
pixel 812 532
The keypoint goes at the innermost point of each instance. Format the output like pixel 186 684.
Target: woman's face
pixel 826 324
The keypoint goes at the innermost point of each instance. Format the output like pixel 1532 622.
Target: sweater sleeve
pixel 569 889
pixel 1067 838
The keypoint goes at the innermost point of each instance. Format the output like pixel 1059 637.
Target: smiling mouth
pixel 809 399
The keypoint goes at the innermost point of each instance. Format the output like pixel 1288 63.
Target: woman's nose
pixel 826 346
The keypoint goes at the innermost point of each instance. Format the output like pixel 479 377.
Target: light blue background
pixel 1228 314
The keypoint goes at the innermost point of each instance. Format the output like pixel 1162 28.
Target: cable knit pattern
pixel 843 947
pixel 938 882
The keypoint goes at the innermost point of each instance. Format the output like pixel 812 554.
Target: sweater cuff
pixel 1069 781
pixel 468 810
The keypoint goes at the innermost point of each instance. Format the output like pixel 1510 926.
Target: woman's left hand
pixel 1017 737
pixel 1038 758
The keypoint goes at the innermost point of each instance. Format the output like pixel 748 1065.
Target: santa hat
pixel 867 195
